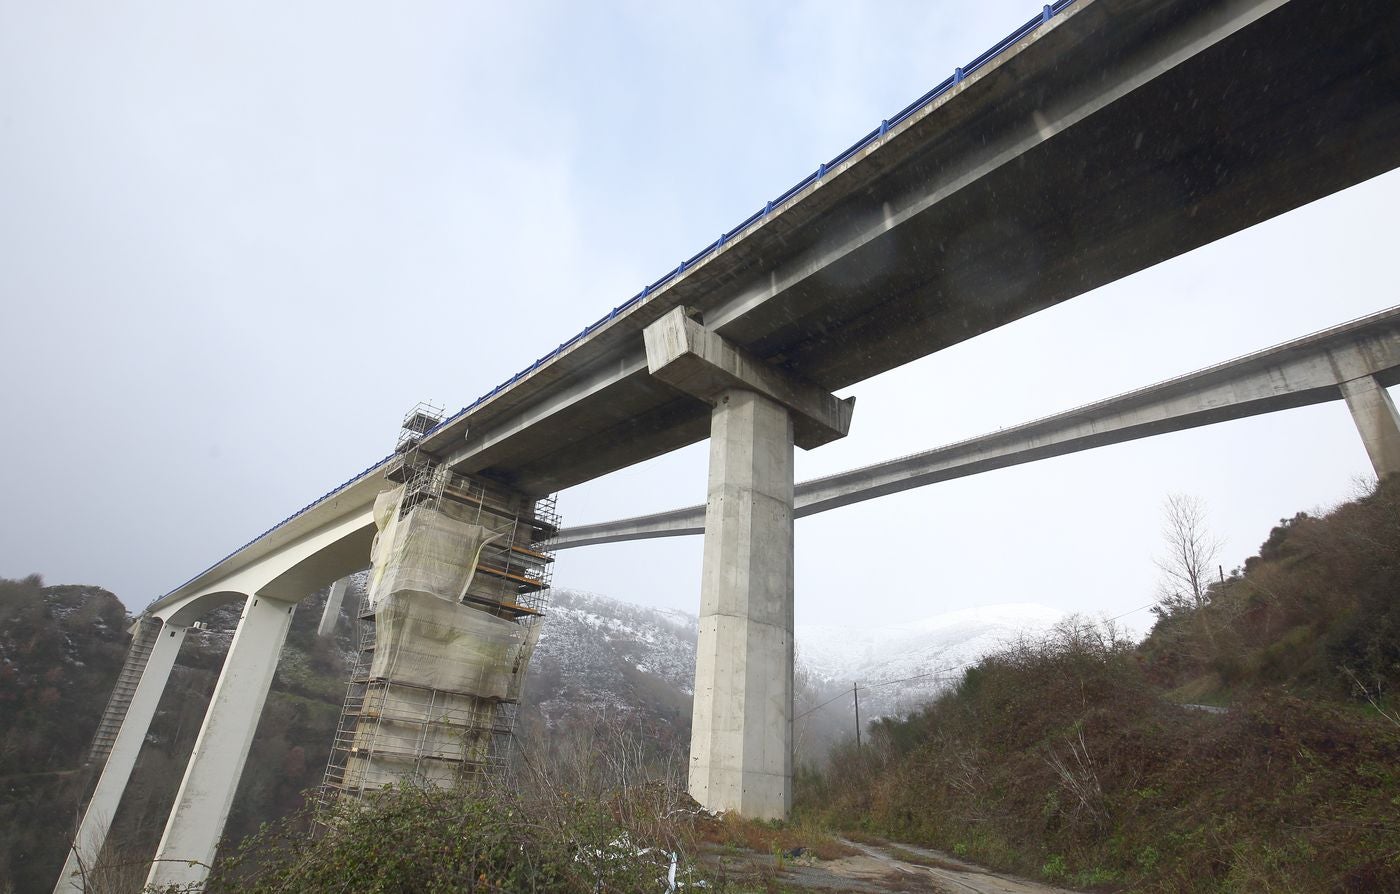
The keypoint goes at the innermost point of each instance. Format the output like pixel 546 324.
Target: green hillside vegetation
pixel 608 822
pixel 1077 759
pixel 61 648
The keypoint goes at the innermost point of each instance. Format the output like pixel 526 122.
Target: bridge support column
pixel 1376 419
pixel 116 772
pixel 741 738
pixel 196 821
pixel 331 614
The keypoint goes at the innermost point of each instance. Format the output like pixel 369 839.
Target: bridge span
pixel 1100 138
pixel 1354 362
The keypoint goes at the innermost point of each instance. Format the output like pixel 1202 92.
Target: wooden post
pixel 856 693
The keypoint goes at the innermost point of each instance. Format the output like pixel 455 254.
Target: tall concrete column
pixel 331 614
pixel 196 821
pixel 1376 419
pixel 741 740
pixel 116 772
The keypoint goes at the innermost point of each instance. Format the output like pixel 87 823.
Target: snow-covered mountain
pixel 924 655
pixel 600 655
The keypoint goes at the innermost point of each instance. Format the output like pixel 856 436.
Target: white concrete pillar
pixel 741 743
pixel 196 821
pixel 97 819
pixel 1376 420
pixel 331 615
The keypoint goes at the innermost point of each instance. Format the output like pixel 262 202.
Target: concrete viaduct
pixel 1354 362
pixel 1100 138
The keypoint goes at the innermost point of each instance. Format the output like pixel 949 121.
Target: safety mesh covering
pixel 449 620
pixel 430 550
pixel 430 642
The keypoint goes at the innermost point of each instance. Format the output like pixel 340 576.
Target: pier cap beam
pixel 685 355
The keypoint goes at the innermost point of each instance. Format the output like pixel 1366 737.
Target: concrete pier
pixel 741 733
pixel 1376 420
pixel 196 822
pixel 741 741
pixel 1059 163
pixel 102 807
pixel 331 613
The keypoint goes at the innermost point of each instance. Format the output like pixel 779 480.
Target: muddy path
pixel 872 869
pixel 947 872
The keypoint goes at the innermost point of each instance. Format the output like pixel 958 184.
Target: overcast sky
pixel 238 241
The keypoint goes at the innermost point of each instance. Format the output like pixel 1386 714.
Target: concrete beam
pixel 116 772
pixel 196 823
pixel 1309 370
pixel 946 226
pixel 1376 420
pixel 683 354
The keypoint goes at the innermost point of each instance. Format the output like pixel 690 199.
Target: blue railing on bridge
pixel 1047 12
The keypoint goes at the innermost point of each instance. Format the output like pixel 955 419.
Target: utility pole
pixel 856 694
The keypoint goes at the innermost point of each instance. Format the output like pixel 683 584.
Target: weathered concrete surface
pixel 741 740
pixel 1376 420
pixel 1103 144
pixel 106 798
pixel 331 613
pixel 1305 371
pixel 1120 135
pixel 682 353
pixel 196 822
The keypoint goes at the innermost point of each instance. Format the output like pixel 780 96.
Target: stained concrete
pixel 1309 370
pixel 682 353
pixel 945 227
pixel 1376 420
pixel 741 741
pixel 330 615
pixel 948 225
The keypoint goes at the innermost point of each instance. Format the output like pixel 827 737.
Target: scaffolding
pixel 447 624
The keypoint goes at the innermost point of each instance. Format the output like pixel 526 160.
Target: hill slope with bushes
pixel 1088 760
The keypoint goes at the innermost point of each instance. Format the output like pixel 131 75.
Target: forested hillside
pixel 60 650
pixel 1251 743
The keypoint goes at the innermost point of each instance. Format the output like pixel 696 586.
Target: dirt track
pixel 945 872
pixel 877 870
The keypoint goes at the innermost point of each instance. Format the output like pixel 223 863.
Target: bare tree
pixel 1190 559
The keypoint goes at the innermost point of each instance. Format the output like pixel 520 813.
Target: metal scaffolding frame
pixel 390 730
